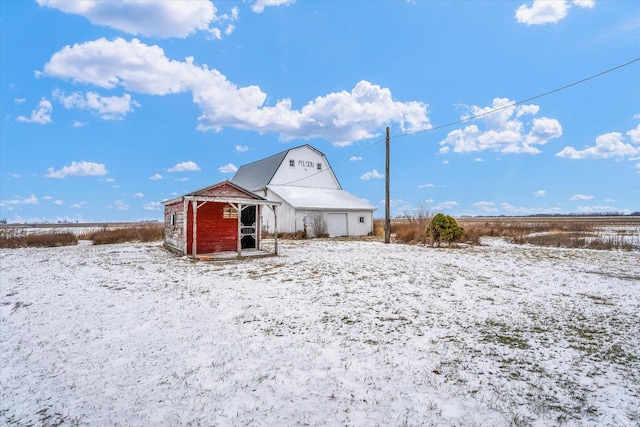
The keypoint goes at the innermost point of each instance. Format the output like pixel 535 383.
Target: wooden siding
pixel 224 190
pixel 173 233
pixel 215 233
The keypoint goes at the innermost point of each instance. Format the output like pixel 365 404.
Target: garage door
pixel 337 224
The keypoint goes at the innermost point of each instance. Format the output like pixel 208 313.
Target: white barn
pixel 303 181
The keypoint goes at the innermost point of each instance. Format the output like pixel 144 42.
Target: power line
pixel 504 107
pixel 466 119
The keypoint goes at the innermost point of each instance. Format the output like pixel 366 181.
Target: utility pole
pixel 387 210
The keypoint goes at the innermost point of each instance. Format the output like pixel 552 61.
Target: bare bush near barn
pixel 319 224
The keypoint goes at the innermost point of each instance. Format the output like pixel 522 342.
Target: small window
pixel 229 212
pixel 361 220
pixel 173 219
pixel 319 166
pixel 292 163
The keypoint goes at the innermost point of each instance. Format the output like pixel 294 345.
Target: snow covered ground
pixel 330 333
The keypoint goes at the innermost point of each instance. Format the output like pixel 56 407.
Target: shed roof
pixel 320 198
pixel 203 192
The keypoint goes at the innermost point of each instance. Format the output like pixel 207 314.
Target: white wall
pixel 305 172
pixel 290 220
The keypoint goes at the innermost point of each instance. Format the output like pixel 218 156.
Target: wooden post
pixel 239 245
pixel 387 209
pixel 185 221
pixel 194 244
pixel 275 229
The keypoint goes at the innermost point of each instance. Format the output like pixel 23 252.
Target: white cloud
pixel 634 134
pixel 486 206
pixel 355 158
pixel 78 205
pixel 444 206
pixel 47 198
pixel 612 144
pixel 163 19
pixel 108 107
pixel 259 5
pixel 540 193
pixel 478 160
pixel 603 209
pixel 228 168
pixel 504 131
pixel 20 100
pixel 155 177
pixel 78 124
pixel 78 169
pixel 581 197
pixel 119 205
pixel 58 202
pixel 153 206
pixel 374 174
pixel 426 186
pixel 341 118
pixel 41 116
pixel 548 11
pixel 31 200
pixel 184 167
pixel 138 196
pixel 242 148
pixel 183 179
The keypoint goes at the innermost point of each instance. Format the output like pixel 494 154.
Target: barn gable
pixel 302 166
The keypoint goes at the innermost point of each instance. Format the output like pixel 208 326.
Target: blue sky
pixel 108 108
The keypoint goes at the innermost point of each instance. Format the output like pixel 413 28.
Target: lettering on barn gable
pixel 307 164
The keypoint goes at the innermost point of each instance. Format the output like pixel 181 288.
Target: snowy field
pixel 353 333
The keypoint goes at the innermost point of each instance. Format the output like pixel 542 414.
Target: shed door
pixel 248 227
pixel 337 224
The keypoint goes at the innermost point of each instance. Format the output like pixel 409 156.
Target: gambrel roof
pixel 257 175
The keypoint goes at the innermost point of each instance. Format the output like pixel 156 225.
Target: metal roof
pixel 320 198
pixel 257 175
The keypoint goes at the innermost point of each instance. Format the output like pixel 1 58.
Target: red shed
pixel 205 223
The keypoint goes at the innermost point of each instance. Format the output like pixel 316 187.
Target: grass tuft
pixel 137 233
pixel 14 238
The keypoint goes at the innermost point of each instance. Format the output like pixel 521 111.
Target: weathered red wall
pixel 215 233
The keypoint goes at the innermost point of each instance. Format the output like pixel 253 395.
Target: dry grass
pixel 555 232
pixel 412 229
pixel 11 237
pixel 15 238
pixel 568 232
pixel 138 233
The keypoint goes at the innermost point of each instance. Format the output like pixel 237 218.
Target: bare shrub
pixel 414 229
pixel 319 224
